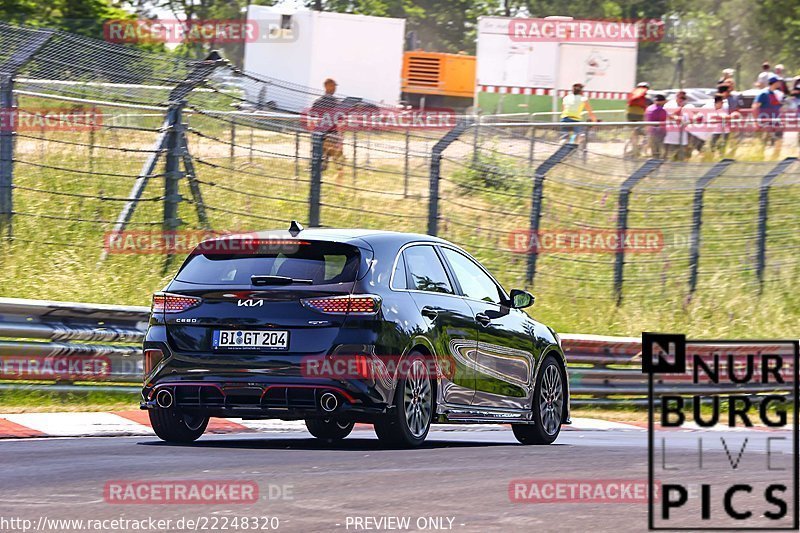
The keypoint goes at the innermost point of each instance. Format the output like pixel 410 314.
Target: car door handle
pixel 430 312
pixel 483 319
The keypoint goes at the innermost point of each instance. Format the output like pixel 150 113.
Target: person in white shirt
pixel 792 103
pixel 718 123
pixel 676 139
pixel 763 78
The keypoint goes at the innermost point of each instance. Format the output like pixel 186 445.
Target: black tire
pixel 549 396
pixel 408 425
pixel 329 429
pixel 173 426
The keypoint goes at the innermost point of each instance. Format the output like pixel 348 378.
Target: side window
pixel 399 275
pixel 473 280
pixel 425 270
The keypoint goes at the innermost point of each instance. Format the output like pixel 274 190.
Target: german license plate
pixel 250 340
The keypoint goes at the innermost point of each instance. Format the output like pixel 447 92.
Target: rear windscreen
pixel 322 263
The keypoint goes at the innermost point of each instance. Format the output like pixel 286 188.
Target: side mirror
pixel 520 299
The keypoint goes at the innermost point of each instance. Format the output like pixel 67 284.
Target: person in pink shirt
pixel 655 112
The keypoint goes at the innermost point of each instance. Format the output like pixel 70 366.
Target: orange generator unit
pixel 435 79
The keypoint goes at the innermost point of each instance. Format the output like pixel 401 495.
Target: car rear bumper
pixel 260 385
pixel 252 396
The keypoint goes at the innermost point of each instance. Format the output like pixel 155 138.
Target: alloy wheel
pixel 417 399
pixel 551 400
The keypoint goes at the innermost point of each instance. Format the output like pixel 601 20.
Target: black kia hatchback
pixel 336 327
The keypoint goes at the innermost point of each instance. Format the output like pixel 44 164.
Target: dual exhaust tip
pixel 328 401
pixel 164 399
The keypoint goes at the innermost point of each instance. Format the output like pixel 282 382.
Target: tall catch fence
pixel 199 145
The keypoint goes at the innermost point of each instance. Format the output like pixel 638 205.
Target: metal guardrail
pixel 608 370
pixel 67 347
pixel 62 342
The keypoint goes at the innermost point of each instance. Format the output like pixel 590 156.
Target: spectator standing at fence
pixel 795 85
pixel 573 108
pixel 637 105
pixel 733 104
pixel 766 112
pixel 677 139
pixel 325 111
pixel 324 108
pixel 780 73
pixel 793 108
pixel 732 101
pixel 656 113
pixel 718 123
pixel 763 78
pixel 727 77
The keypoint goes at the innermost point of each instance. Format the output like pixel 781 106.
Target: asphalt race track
pixel 458 481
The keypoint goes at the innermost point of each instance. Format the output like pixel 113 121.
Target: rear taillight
pixel 356 304
pixel 173 303
pixel 152 357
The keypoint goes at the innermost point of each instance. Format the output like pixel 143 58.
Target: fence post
pixel 405 165
pixel 250 155
pixel 172 170
pixel 176 97
pixel 622 219
pixel 475 140
pixel 355 153
pixel 316 179
pixel 532 146
pixel 697 218
pixel 436 163
pixel 763 208
pixel 8 70
pixel 297 155
pixel 233 141
pixel 536 201
pixel 91 149
pixel 6 155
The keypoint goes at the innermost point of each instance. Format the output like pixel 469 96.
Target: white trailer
pixel 363 54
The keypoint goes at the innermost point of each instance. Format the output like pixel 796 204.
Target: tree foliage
pixel 85 17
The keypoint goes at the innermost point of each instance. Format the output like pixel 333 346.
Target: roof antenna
pixel 295 228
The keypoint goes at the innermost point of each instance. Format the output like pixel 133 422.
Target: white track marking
pixel 79 424
pixel 109 424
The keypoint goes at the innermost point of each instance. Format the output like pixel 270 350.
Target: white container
pixel 363 54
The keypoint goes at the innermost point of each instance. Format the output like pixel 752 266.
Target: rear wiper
pixel 278 280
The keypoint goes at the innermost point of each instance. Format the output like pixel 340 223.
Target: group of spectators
pixel 717 125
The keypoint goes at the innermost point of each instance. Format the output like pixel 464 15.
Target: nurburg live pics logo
pixel 722 433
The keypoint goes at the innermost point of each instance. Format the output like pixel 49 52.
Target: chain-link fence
pixel 184 145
